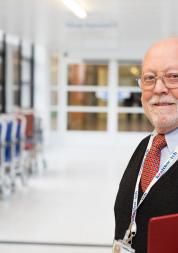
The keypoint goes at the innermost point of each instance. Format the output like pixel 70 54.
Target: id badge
pixel 121 247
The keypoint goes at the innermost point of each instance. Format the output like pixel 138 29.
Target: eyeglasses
pixel 148 81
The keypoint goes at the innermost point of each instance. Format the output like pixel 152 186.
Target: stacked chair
pixel 21 152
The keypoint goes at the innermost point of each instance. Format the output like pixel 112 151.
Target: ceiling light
pixel 76 8
pixel 134 70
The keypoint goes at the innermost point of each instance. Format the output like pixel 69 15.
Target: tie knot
pixel 159 141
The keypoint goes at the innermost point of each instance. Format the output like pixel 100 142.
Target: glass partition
pixel 16 67
pixel 54 90
pixel 54 120
pixel 129 98
pixel 54 97
pixel 90 121
pixel 1 68
pixel 54 65
pixel 128 73
pixel 88 74
pixel 97 98
pixel 133 122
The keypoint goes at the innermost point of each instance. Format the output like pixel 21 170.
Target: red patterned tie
pixel 152 161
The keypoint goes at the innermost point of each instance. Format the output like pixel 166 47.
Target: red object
pixel 163 234
pixel 152 161
pixel 29 144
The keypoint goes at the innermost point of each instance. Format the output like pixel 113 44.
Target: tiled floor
pixel 71 202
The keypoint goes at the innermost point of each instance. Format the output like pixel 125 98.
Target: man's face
pixel 161 103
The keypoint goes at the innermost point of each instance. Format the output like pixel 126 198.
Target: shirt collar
pixel 172 139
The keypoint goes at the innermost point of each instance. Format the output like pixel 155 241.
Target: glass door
pixel 87 96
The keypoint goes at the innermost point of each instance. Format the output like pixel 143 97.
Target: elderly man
pixel 149 186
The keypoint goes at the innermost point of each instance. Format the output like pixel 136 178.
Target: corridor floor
pixel 69 203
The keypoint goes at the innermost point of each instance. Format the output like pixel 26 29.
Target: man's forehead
pixel 162 54
pixel 162 47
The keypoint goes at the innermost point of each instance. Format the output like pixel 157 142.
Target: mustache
pixel 163 99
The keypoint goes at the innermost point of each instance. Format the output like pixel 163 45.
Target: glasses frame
pixel 156 77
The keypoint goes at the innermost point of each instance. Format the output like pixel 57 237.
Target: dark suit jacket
pixel 161 200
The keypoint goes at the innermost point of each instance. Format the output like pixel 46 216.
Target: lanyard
pixel 170 161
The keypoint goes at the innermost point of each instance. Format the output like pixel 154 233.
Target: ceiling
pixel 122 26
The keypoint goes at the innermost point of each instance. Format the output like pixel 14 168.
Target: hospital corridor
pixel 70 116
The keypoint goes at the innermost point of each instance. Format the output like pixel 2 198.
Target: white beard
pixel 162 119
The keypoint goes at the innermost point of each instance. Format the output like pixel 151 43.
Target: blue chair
pixel 20 157
pixel 8 145
pixel 18 139
pixel 5 157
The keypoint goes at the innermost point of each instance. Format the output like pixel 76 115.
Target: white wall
pixel 41 101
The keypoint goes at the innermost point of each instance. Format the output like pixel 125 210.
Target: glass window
pixel 54 98
pixel 26 50
pixel 88 74
pixel 25 98
pixel 53 120
pixel 128 74
pixel 129 99
pixel 98 98
pixel 0 98
pixel 16 67
pixel 54 70
pixel 133 122
pixel 16 97
pixel 87 121
pixel 1 69
pixel 1 46
pixel 26 70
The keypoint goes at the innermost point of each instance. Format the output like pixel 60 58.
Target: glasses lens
pixel 171 78
pixel 148 81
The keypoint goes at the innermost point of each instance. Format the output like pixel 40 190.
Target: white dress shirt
pixel 172 142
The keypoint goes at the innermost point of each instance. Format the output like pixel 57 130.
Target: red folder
pixel 163 234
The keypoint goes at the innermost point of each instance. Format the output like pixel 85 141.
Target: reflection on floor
pixel 72 202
